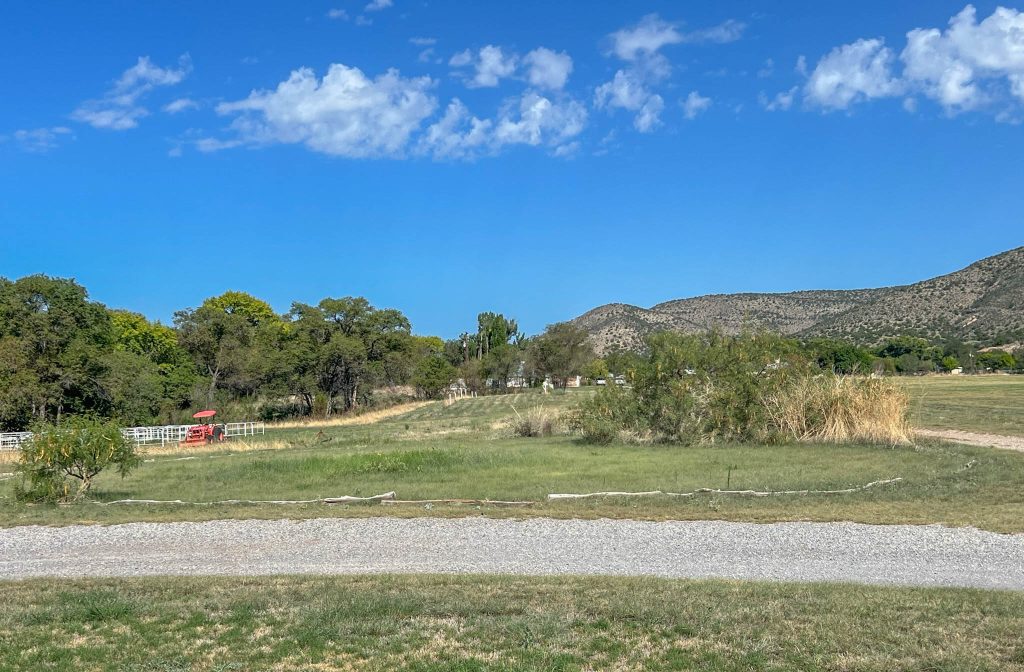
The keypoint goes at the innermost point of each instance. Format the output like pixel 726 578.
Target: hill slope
pixel 980 302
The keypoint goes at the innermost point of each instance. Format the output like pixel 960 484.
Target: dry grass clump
pixel 842 409
pixel 534 422
pixel 367 418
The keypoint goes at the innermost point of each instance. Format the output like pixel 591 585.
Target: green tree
pixel 55 337
pixel 224 338
pixel 561 351
pixel 433 375
pixel 996 360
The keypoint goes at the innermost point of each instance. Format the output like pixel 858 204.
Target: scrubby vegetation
pixel 60 463
pixel 752 388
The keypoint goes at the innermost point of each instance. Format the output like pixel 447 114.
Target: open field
pixel 501 623
pixel 991 404
pixel 461 451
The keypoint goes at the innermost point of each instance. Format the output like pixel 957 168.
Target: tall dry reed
pixel 842 409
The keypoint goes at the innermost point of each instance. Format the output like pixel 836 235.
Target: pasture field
pixel 463 451
pixel 435 623
pixel 992 404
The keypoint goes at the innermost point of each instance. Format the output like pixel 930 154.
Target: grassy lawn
pixel 501 623
pixel 438 452
pixel 988 404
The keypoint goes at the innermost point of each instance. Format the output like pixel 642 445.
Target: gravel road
pixel 848 552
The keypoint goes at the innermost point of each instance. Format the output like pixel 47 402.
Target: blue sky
pixel 533 158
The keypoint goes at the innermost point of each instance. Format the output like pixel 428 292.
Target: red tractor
pixel 205 433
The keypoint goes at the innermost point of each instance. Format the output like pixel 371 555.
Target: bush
pixel 56 457
pixel 534 422
pixel 753 388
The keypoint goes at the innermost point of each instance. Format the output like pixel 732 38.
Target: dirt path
pixel 928 555
pixel 974 438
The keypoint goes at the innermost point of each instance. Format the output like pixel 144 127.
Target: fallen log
pixel 325 500
pixel 715 491
pixel 474 502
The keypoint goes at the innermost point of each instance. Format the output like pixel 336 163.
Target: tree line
pixel 64 354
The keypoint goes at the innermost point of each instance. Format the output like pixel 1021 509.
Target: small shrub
pixel 535 422
pixel 59 463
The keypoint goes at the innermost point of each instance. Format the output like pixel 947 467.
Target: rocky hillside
pixel 984 301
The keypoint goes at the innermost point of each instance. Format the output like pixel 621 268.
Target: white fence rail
pixel 148 436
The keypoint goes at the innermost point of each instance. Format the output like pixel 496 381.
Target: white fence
pixel 148 436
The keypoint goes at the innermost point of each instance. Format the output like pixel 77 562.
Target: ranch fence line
pixel 148 436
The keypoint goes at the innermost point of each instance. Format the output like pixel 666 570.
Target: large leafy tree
pixel 341 348
pixel 224 337
pixel 52 339
pixel 561 351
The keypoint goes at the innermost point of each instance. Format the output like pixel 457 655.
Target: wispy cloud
pixel 180 105
pixel 120 108
pixel 39 140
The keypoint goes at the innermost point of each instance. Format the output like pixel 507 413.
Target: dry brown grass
pixel 229 446
pixel 367 418
pixel 843 409
pixel 533 422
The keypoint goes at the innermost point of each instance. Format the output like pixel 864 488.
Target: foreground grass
pixel 992 404
pixel 501 623
pixel 439 452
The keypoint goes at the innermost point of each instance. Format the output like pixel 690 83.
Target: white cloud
pixel 632 87
pixel 853 73
pixel 377 5
pixel 119 108
pixel 531 119
pixel 457 135
pixel 969 65
pixel 695 104
pixel 548 69
pixel 781 102
pixel 40 140
pixel 363 21
pixel 649 116
pixel 952 66
pixel 344 114
pixel 490 63
pixel 423 41
pixel 645 38
pixel 428 55
pixel 461 59
pixel 626 90
pixel 180 105
pixel 338 14
pixel 767 70
pixel 536 120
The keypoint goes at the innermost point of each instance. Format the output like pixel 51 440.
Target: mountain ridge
pixel 980 302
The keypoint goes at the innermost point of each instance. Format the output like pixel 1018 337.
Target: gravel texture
pixel 847 552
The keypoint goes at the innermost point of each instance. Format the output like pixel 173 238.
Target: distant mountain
pixel 983 302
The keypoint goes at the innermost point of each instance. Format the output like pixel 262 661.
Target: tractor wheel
pixel 218 434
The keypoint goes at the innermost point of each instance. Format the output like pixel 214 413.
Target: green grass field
pixel 988 404
pixel 431 623
pixel 461 451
